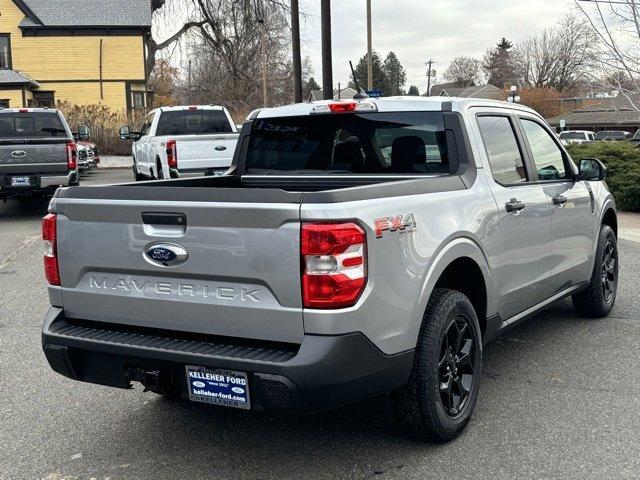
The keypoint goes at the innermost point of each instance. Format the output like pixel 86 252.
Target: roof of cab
pixel 391 104
pixel 180 108
pixel 29 110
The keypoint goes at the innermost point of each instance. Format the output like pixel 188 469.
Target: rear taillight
pixel 50 249
pixel 172 154
pixel 72 156
pixel 334 264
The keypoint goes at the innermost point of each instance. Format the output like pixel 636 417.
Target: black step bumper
pixel 321 373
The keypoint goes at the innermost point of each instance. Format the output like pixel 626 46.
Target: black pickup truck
pixel 38 152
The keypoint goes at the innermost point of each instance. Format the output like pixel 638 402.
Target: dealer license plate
pixel 218 387
pixel 20 181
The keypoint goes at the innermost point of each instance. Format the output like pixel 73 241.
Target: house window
pixel 44 100
pixel 5 52
pixel 4 103
pixel 139 100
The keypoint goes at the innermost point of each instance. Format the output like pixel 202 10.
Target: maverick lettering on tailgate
pixel 175 289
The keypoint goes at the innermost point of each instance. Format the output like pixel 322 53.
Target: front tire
pixel 138 177
pixel 599 297
pixel 437 402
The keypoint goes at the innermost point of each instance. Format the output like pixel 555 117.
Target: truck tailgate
pixel 200 152
pixel 16 158
pixel 241 277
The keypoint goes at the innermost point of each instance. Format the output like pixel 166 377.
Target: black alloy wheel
pixel 456 366
pixel 609 271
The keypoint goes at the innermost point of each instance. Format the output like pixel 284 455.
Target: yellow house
pixel 81 51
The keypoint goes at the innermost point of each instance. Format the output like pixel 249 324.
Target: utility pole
pixel 369 48
pixel 430 64
pixel 297 59
pixel 327 68
pixel 260 18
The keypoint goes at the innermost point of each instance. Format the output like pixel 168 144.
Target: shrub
pixel 622 160
pixel 104 124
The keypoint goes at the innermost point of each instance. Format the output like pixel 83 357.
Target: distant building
pixel 488 92
pixel 81 51
pixel 618 113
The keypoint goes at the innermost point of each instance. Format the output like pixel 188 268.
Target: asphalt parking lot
pixel 559 399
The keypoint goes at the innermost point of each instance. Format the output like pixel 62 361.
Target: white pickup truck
pixel 177 140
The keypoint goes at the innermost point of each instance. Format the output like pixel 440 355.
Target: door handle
pixel 515 205
pixel 559 200
pixel 164 219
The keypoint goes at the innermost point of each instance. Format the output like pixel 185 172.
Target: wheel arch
pixel 610 218
pixel 461 265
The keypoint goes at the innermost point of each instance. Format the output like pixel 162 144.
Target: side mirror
pixel 83 133
pixel 592 169
pixel 125 133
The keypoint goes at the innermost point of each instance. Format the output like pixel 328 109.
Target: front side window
pixel 147 124
pixel 5 52
pixel 505 158
pixel 547 156
pixel 370 143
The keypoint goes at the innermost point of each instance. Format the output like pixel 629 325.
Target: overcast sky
pixel 417 30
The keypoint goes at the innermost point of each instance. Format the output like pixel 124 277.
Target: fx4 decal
pixel 402 223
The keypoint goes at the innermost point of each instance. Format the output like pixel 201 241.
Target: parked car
pixel 569 137
pixel 636 139
pixel 85 159
pixel 93 155
pixel 321 271
pixel 613 135
pixel 177 140
pixel 38 152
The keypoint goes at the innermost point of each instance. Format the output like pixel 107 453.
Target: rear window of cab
pixel 354 143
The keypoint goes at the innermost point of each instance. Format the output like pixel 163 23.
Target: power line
pixel 611 2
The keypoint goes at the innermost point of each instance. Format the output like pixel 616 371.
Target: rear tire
pixel 598 299
pixel 160 172
pixel 437 402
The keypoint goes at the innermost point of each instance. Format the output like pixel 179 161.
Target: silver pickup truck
pixel 355 249
pixel 38 152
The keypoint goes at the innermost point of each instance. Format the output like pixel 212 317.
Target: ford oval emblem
pixel 166 254
pixel 18 153
pixel 221 148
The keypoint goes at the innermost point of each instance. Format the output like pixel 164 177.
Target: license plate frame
pixel 227 388
pixel 20 181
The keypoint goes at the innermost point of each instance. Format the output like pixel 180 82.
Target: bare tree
pixel 225 55
pixel 560 56
pixel 616 23
pixel 464 72
pixel 198 16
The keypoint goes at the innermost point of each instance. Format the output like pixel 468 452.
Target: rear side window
pixel 193 122
pixel 505 158
pixel 31 125
pixel 382 143
pixel 546 154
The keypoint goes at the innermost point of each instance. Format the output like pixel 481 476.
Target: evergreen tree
pixel 500 66
pixel 396 74
pixel 309 86
pixel 380 80
pixel 413 90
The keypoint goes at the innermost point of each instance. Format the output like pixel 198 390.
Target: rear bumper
pixel 40 184
pixel 321 373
